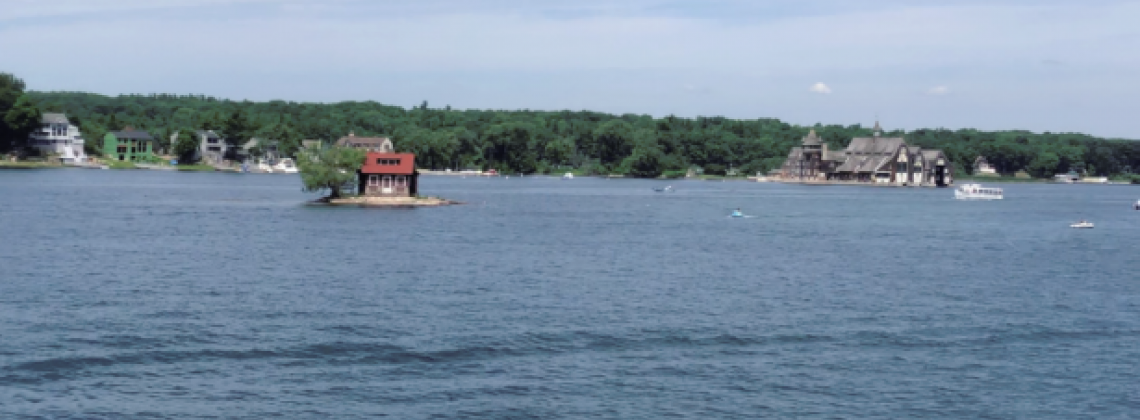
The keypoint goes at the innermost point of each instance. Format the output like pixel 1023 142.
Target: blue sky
pixel 1044 65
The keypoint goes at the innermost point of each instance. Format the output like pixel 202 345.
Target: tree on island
pixel 331 168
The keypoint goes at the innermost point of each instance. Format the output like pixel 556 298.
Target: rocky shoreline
pixel 390 202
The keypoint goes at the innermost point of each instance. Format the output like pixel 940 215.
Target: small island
pixel 382 177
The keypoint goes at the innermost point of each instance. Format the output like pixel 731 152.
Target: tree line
pixel 526 141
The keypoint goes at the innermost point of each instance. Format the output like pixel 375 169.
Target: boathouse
pixel 875 159
pixel 388 174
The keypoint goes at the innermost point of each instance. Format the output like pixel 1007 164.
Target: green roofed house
pixel 129 144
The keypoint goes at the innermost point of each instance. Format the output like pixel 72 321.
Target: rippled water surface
pixel 129 295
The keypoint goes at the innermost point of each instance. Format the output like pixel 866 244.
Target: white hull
pixel 978 192
pixel 966 196
pixel 1085 225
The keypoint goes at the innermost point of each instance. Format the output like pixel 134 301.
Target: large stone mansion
pixel 876 159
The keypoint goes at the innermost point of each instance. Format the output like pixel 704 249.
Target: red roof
pixel 389 163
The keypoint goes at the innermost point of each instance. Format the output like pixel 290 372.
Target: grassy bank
pixel 120 164
pixel 26 165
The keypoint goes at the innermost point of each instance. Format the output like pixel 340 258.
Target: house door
pixel 373 184
pixel 386 185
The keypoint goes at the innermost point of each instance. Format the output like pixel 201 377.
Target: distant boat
pixel 1136 206
pixel 978 192
pixel 567 176
pixel 1083 224
pixel 737 213
pixel 285 166
pixel 667 188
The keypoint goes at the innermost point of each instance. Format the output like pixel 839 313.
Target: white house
pixel 212 148
pixel 983 167
pixel 58 136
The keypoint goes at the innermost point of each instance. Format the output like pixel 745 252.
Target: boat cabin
pixel 388 175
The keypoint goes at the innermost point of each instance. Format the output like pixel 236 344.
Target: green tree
pixel 615 140
pixel 22 118
pixel 11 89
pixel 330 168
pixel 236 128
pixel 1044 165
pixel 185 144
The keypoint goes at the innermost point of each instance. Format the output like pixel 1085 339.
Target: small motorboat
pixel 567 176
pixel 737 213
pixel 1136 205
pixel 667 188
pixel 285 166
pixel 1083 224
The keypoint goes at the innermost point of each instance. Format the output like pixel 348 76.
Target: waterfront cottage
pixel 876 159
pixel 371 144
pixel 212 148
pixel 128 145
pixel 258 149
pixel 388 174
pixel 982 167
pixel 57 136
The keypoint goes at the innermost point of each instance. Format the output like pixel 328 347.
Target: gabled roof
pixel 372 164
pixel 54 118
pixel 812 139
pixel 862 164
pixel 875 145
pixel 932 155
pixel 835 155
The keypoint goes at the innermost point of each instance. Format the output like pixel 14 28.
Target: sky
pixel 1039 65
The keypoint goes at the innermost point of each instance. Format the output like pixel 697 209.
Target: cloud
pixel 938 90
pixel 820 88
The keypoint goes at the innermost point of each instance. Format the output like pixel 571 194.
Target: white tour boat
pixel 285 166
pixel 977 192
pixel 1083 224
pixel 1136 206
pixel 567 176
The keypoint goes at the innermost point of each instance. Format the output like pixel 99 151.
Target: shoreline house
pixel 58 136
pixel 983 167
pixel 388 174
pixel 258 150
pixel 128 145
pixel 876 159
pixel 371 144
pixel 212 148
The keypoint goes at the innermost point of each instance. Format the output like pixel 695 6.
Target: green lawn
pixel 120 164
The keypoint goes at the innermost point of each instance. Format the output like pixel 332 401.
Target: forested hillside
pixel 547 141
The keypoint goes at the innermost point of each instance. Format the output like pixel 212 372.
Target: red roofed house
pixel 388 174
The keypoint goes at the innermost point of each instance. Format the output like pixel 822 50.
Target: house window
pixel 401 182
pixel 373 180
pixel 386 182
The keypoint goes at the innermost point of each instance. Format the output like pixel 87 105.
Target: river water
pixel 136 294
